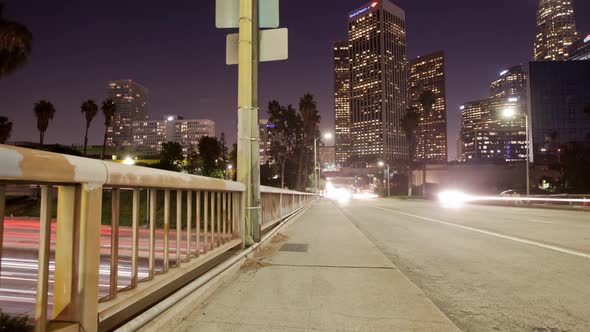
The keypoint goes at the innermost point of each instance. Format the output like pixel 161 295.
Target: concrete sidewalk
pixel 340 282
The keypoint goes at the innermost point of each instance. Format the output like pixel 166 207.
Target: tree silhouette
pixel 108 110
pixel 310 115
pixel 171 156
pixel 285 135
pixel 210 156
pixel 44 112
pixel 15 45
pixel 5 129
pixel 427 100
pixel 90 109
pixel 410 123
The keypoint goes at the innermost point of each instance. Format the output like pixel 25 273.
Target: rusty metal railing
pixel 114 239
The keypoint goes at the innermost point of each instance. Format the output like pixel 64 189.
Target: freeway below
pixel 488 268
pixel 18 281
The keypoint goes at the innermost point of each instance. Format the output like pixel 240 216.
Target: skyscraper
pixel 556 30
pixel 512 83
pixel 580 50
pixel 378 92
pixel 559 94
pixel 342 102
pixel 132 105
pixel 486 135
pixel 427 73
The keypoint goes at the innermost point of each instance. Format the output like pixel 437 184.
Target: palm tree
pixel 427 100
pixel 311 120
pixel 5 129
pixel 15 45
pixel 44 112
pixel 410 123
pixel 89 108
pixel 108 109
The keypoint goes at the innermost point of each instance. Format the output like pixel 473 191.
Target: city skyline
pixel 198 97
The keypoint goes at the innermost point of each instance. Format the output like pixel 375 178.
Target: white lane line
pixel 541 221
pixel 499 235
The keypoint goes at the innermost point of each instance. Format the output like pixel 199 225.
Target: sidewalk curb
pixel 182 309
pixel 372 241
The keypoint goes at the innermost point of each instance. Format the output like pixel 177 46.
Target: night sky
pixel 174 49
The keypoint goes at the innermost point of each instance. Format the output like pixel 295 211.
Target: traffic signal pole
pixel 248 132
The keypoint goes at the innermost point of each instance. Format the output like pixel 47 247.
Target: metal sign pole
pixel 248 136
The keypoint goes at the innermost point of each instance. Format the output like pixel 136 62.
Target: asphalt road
pixel 488 268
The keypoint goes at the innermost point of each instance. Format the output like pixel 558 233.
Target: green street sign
pixel 227 14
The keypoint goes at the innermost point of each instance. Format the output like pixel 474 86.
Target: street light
pixel 317 172
pixel 510 112
pixel 227 171
pixel 382 164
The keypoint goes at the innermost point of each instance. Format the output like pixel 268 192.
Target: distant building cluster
pixel 131 129
pixel 550 99
pixel 148 136
pixel 374 85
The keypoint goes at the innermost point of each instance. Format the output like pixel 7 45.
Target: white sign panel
pixel 274 46
pixel 227 14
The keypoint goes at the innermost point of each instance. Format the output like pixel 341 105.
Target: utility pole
pixel 248 135
pixel 246 49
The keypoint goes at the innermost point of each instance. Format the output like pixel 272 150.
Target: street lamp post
pixel 317 171
pixel 387 174
pixel 228 172
pixel 511 113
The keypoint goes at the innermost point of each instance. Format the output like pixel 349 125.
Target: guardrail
pixel 165 229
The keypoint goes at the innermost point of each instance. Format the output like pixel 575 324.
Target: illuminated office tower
pixel 556 30
pixel 342 102
pixel 512 83
pixel 488 136
pixel 378 92
pixel 427 73
pixel 580 50
pixel 131 100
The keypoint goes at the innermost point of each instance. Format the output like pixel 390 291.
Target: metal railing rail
pixel 192 221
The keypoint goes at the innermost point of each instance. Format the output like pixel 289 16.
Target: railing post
pixel 44 251
pixel 135 239
pixel 219 203
pixel 212 207
pixel 2 212
pixel 189 217
pixel 178 225
pixel 89 256
pixel 166 230
pixel 152 244
pixel 198 223
pixel 205 221
pixel 114 276
pixel 281 206
pixel 65 268
pixel 224 217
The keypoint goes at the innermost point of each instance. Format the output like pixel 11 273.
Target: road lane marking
pixel 541 221
pixel 499 235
